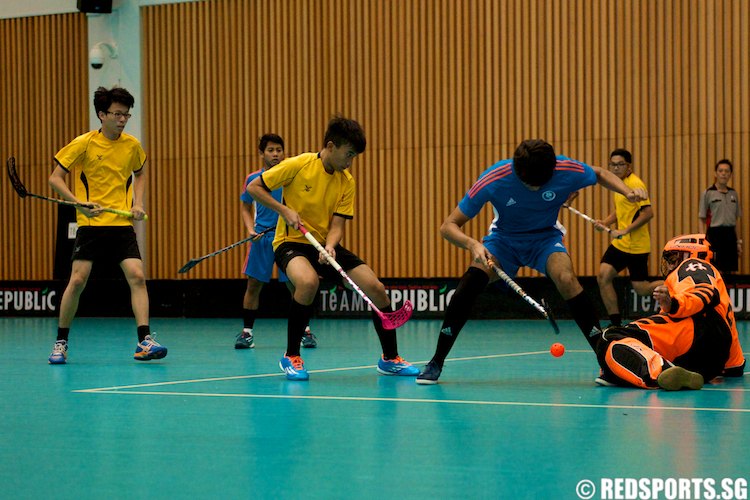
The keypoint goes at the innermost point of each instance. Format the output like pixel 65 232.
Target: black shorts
pixel 106 243
pixel 637 263
pixel 289 250
pixel 712 341
pixel 723 241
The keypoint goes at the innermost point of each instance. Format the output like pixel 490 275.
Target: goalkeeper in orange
pixel 691 341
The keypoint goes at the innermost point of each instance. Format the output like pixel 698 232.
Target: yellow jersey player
pixel 318 190
pixel 631 243
pixel 107 168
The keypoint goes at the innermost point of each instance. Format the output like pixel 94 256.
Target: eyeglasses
pixel 119 115
pixel 618 164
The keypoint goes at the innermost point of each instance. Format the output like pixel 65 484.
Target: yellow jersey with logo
pixel 313 193
pixel 638 241
pixel 102 173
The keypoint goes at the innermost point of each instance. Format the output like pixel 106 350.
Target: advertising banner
pixel 223 298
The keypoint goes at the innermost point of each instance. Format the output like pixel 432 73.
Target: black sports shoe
pixel 430 374
pixel 603 380
pixel 245 339
pixel 309 341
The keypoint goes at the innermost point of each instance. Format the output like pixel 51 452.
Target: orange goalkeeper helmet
pixel 686 246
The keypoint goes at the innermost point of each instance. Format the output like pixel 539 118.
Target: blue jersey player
pixel 526 193
pixel 259 259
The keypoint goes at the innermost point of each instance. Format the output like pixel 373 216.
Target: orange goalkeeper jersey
pixel 698 295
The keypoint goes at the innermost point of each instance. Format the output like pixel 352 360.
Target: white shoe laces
pixel 150 340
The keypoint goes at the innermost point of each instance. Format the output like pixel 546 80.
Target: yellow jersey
pixel 313 193
pixel 102 173
pixel 638 241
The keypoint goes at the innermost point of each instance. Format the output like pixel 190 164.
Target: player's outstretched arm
pixel 451 231
pixel 614 183
pixel 262 195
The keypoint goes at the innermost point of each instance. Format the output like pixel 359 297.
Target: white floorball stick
pixel 542 308
pixel 587 218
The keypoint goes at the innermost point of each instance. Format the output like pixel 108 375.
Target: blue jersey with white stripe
pixel 264 217
pixel 518 209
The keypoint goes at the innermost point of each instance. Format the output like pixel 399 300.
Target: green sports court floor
pixel 507 420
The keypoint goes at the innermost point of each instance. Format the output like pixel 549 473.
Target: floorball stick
pixel 542 308
pixel 390 320
pixel 194 262
pixel 15 180
pixel 586 218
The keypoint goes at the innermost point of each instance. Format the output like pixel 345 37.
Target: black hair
pixel 534 162
pixel 622 152
pixel 342 131
pixel 103 98
pixel 266 138
pixel 724 161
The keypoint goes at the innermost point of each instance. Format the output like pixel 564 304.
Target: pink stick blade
pixel 395 319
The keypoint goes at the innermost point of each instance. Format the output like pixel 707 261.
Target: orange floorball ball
pixel 557 349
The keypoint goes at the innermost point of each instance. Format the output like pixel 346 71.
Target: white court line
pixel 281 374
pixel 119 390
pixel 432 401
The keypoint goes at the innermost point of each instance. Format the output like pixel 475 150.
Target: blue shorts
pixel 259 259
pixel 529 250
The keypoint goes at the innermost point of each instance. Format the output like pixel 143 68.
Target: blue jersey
pixel 264 217
pixel 519 210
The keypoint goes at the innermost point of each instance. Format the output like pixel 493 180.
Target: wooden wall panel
pixel 44 102
pixel 443 88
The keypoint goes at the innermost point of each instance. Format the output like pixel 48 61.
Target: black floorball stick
pixel 542 308
pixel 15 180
pixel 194 262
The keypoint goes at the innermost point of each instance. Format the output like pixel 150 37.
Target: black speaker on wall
pixel 95 6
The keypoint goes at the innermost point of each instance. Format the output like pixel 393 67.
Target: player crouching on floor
pixel 692 340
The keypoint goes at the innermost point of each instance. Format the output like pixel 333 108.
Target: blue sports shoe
pixel 294 368
pixel 59 354
pixel 149 349
pixel 397 366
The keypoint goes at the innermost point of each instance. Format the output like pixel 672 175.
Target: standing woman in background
pixel 719 211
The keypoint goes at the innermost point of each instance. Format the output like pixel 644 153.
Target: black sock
pixel 299 317
pixel 248 318
pixel 62 333
pixel 388 340
pixel 584 315
pixel 615 319
pixel 471 285
pixel 142 332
